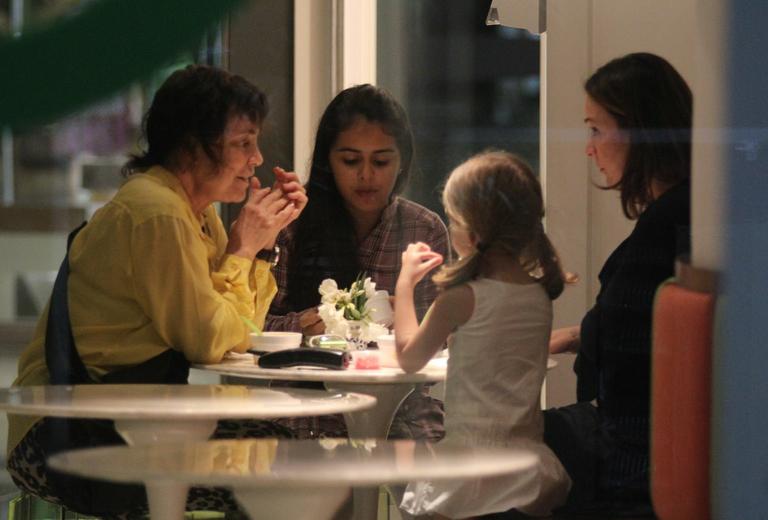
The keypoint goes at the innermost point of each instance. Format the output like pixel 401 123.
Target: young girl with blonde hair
pixel 495 310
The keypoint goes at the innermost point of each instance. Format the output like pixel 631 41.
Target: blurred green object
pixel 51 71
pixel 328 341
pixel 251 325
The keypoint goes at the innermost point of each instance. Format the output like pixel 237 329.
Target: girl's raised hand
pixel 418 259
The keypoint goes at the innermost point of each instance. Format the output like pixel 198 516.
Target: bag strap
pixel 64 364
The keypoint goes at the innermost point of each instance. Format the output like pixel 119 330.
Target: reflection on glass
pixel 467 86
pixel 55 176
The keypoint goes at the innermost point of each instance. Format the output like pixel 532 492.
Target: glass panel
pixel 260 48
pixel 59 174
pixel 56 175
pixel 466 86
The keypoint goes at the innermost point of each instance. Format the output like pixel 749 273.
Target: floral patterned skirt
pixel 27 467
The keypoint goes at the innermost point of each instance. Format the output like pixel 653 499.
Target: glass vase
pixel 355 335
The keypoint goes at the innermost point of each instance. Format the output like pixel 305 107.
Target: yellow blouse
pixel 147 274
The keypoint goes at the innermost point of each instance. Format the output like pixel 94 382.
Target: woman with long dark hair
pixel 357 222
pixel 638 111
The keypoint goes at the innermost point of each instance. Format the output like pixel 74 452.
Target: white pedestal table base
pixel 166 500
pixel 270 503
pixel 368 424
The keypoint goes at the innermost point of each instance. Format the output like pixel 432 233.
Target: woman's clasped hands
pixel 265 213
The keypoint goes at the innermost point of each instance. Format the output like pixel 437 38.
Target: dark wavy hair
pixel 192 107
pixel 324 242
pixel 653 104
pixel 496 196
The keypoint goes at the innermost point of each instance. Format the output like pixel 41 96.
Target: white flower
pixel 371 331
pixel 329 290
pixel 340 306
pixel 370 288
pixel 379 308
pixel 338 328
pixel 333 318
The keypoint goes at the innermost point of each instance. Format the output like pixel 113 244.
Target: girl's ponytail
pixel 496 198
pixel 459 272
pixel 552 276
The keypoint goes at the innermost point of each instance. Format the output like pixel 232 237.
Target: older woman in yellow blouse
pixel 154 272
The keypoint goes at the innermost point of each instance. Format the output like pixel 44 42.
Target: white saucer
pixel 273 341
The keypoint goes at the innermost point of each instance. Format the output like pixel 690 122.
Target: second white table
pixel 148 414
pixel 298 480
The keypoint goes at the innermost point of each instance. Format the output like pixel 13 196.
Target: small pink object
pixel 366 360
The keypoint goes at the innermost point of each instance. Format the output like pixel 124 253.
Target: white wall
pixel 564 168
pixel 26 252
pixel 663 27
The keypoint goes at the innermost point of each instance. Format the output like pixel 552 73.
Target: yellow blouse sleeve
pixel 264 287
pixel 249 286
pixel 260 280
pixel 194 310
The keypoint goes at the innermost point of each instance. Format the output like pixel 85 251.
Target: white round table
pixel 390 386
pixel 288 479
pixel 147 414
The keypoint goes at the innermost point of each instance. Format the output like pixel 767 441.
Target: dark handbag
pixel 55 435
pixel 306 357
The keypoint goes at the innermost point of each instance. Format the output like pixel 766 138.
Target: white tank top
pixel 497 364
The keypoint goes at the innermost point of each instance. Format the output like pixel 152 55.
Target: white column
pixel 708 161
pixel 335 48
pixel 312 73
pixel 357 44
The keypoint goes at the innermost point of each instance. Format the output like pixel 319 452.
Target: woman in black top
pixel 638 110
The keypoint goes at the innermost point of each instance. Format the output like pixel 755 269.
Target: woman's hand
pixel 566 339
pixel 288 183
pixel 311 322
pixel 295 196
pixel 260 219
pixel 417 260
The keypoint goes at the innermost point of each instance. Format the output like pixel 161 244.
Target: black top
pixel 614 361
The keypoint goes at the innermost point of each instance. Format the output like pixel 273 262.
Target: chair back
pixel 683 323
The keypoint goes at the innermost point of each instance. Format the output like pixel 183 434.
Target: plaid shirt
pixel 379 256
